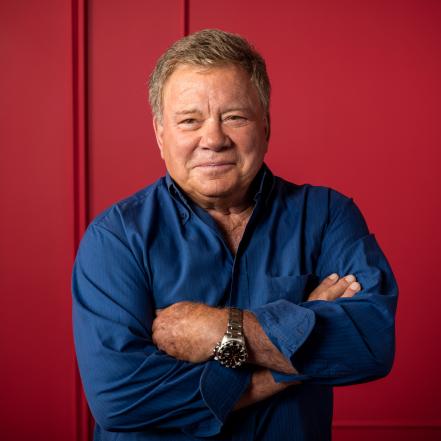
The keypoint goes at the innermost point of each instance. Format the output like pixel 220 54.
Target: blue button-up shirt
pixel 157 248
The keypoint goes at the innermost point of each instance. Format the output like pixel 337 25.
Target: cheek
pixel 181 146
pixel 252 147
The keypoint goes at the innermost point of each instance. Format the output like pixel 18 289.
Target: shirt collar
pixel 263 183
pixel 262 186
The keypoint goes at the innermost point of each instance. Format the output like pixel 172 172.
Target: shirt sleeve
pixel 130 385
pixel 349 340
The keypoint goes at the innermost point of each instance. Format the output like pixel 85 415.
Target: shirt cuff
pixel 221 388
pixel 288 326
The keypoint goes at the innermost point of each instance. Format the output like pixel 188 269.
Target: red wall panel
pixel 125 40
pixel 36 223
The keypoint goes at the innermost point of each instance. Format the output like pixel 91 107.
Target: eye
pixel 235 120
pixel 188 121
pixel 189 124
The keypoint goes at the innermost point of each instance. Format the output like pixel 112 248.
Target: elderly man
pixel 223 302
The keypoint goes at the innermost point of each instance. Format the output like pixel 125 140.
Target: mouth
pixel 215 165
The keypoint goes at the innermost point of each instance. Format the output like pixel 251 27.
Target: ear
pixel 267 127
pixel 159 132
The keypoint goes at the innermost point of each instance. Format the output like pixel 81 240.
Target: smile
pixel 215 165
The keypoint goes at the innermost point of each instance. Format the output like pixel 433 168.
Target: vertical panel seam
pixel 83 420
pixel 185 17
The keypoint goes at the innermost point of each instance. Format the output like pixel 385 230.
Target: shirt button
pixel 184 215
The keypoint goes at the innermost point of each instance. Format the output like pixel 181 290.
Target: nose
pixel 214 136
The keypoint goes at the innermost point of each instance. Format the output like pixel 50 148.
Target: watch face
pixel 232 354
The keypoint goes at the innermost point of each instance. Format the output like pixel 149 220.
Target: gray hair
pixel 210 48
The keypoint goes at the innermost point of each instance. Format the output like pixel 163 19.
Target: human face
pixel 212 135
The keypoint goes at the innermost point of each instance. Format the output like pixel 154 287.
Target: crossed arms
pixel 189 331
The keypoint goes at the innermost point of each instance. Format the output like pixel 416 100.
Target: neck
pixel 235 204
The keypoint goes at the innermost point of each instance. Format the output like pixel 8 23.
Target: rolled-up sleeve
pixel 131 385
pixel 348 340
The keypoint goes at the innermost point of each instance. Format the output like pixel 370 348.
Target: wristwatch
pixel 231 351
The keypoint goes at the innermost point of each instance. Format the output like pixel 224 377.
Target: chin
pixel 215 192
pixel 216 188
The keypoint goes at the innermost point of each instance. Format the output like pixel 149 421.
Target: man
pixel 223 302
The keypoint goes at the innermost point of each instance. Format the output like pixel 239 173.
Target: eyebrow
pixel 192 111
pixel 237 109
pixel 186 112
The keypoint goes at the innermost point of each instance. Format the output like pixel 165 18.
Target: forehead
pixel 219 84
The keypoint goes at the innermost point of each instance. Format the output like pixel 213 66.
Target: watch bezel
pixel 226 360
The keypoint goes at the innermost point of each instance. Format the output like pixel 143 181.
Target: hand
pixel 189 331
pixel 334 287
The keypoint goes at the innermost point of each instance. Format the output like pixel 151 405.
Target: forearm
pixel 260 349
pixel 263 352
pixel 349 340
pixel 262 386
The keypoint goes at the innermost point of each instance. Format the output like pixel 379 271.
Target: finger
pixel 352 289
pixel 338 289
pixel 324 285
pixel 329 281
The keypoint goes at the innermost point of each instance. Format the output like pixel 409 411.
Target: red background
pixel 356 106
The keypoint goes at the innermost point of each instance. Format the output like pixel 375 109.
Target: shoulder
pixel 132 209
pixel 120 231
pixel 320 206
pixel 315 198
pixel 324 211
